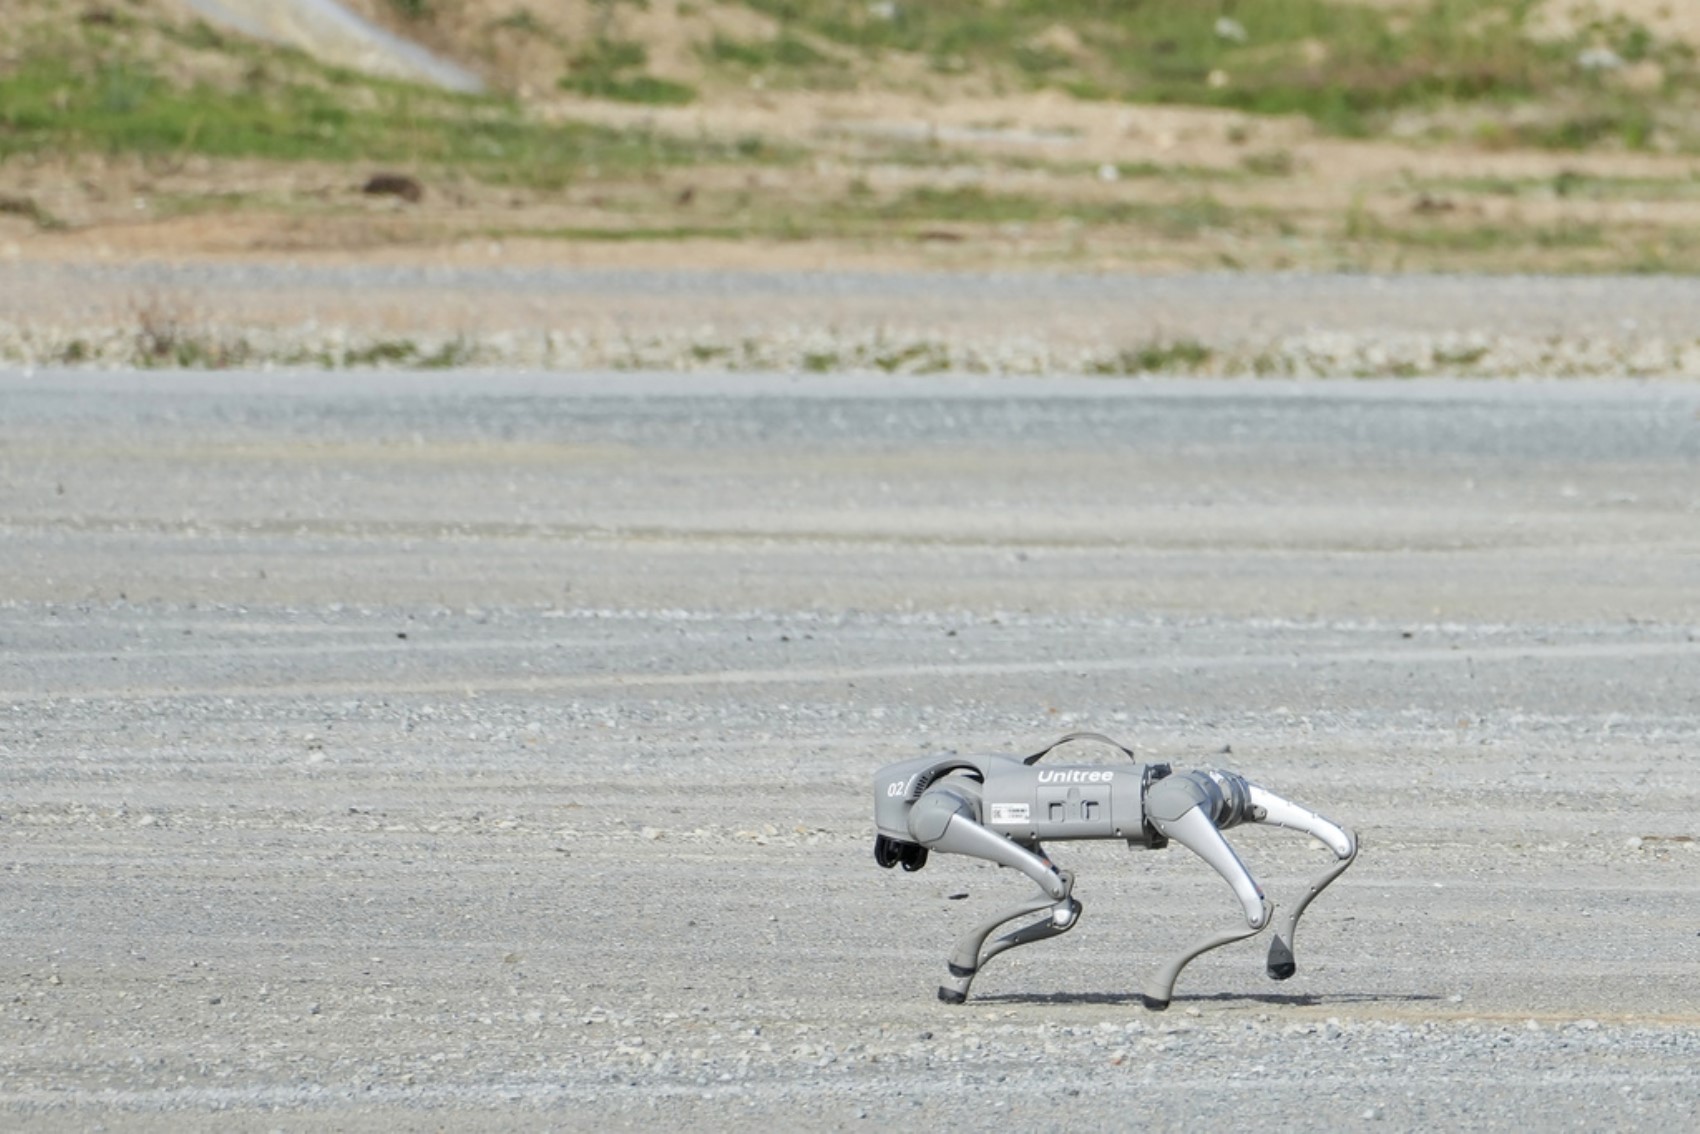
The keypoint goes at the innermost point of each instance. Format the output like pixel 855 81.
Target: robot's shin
pixel 1279 812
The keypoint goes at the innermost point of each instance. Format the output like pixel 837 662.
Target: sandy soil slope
pixel 329 31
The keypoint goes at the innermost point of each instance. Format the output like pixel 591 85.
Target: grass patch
pixel 1626 124
pixel 56 102
pixel 914 358
pixel 1346 66
pixel 962 204
pixel 1270 163
pixel 1563 235
pixel 783 51
pixel 163 339
pixel 1569 184
pixel 387 352
pixel 523 22
pixel 1461 358
pixel 784 61
pixel 613 69
pixel 1179 220
pixel 1183 356
pixel 636 234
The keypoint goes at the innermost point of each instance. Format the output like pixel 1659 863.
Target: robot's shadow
pixel 1281 999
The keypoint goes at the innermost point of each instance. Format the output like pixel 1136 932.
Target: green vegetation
pixel 1350 67
pixel 613 69
pixel 522 21
pixel 111 104
pixel 1562 235
pixel 1184 356
pixel 787 61
pixel 1346 66
pixel 1182 219
pixel 1462 79
pixel 784 51
pixel 1569 184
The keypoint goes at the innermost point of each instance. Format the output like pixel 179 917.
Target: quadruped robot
pixel 999 808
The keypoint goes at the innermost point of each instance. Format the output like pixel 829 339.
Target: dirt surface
pixel 1203 190
pixel 492 751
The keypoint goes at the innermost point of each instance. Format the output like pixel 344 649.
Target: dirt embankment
pixel 892 169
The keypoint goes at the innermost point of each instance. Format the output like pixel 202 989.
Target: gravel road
pixel 472 750
pixel 486 304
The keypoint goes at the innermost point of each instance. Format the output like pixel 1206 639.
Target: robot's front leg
pixel 946 818
pixel 971 951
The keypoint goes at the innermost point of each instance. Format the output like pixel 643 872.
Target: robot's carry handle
pixel 1098 736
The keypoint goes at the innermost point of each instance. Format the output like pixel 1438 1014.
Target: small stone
pixel 1231 30
pixel 1599 59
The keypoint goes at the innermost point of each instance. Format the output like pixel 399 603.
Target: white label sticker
pixel 1005 813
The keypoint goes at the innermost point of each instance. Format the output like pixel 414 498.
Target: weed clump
pixel 613 69
pixel 1181 356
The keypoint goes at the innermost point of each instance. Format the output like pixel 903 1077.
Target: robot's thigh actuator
pixel 1002 808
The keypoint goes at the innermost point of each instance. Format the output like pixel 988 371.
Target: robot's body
pixel 1000 808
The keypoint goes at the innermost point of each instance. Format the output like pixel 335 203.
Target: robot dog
pixel 1000 807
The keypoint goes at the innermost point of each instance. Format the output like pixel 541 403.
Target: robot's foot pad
pixel 1153 1003
pixel 1282 970
pixel 951 996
